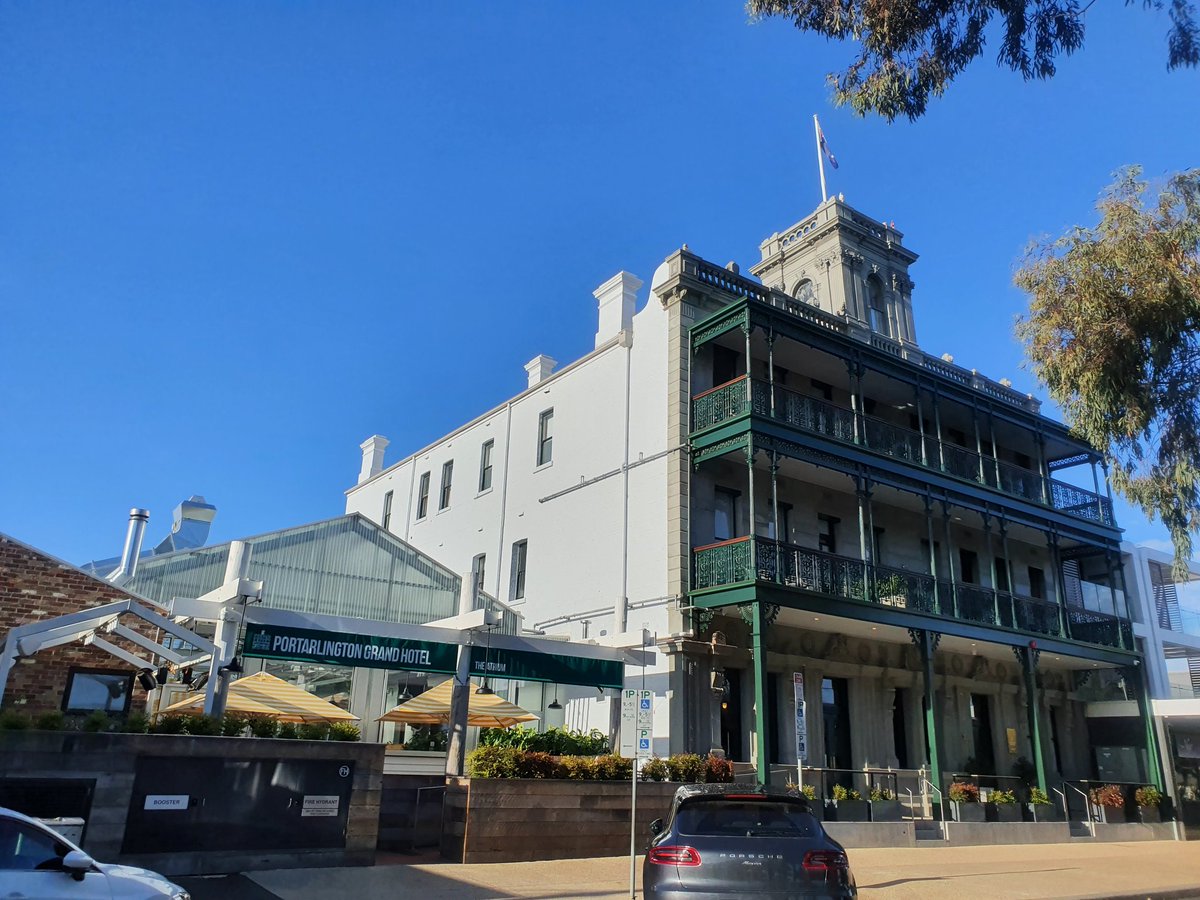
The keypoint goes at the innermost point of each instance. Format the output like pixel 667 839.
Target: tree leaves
pixel 1113 332
pixel 910 50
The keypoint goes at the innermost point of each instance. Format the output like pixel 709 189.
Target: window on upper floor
pixel 877 306
pixel 968 566
pixel 485 466
pixel 725 364
pixel 825 390
pixel 447 478
pixel 520 558
pixel 1002 584
pixel 1037 583
pixel 785 523
pixel 804 292
pixel 545 445
pixel 478 565
pixel 386 519
pixel 725 502
pixel 423 496
pixel 827 535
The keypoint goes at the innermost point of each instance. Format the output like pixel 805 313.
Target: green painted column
pixel 1033 703
pixel 1146 711
pixel 762 725
pixel 927 642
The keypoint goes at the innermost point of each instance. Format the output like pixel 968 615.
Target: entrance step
pixel 1080 829
pixel 928 830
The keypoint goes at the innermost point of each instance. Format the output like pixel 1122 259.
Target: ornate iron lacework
pixel 741 319
pixel 915 634
pixel 770 613
pixel 718 449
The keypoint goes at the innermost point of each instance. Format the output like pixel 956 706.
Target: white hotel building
pixel 772 477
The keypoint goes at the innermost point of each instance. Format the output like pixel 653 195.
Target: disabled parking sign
pixel 637 723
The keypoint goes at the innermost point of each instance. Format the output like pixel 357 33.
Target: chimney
pixel 372 456
pixel 617 298
pixel 539 368
pixel 133 547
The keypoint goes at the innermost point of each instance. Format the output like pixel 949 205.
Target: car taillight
pixel 673 856
pixel 816 861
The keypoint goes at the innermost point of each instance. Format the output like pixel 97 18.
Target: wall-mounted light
pixel 146 680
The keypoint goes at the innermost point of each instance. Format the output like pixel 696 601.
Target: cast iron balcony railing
pixel 734 398
pixel 733 562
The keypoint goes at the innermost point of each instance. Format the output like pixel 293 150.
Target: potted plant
pixel 1002 806
pixel 964 802
pixel 1148 799
pixel 809 793
pixel 884 805
pixel 1039 807
pixel 892 590
pixel 1109 802
pixel 848 805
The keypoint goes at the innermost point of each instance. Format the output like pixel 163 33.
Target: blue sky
pixel 237 239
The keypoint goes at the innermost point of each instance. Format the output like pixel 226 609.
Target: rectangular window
pixel 825 390
pixel 877 550
pixel 968 566
pixel 835 714
pixel 827 536
pixel 477 569
pixel 387 510
pixel 103 690
pixel 447 477
pixel 545 447
pixel 1002 575
pixel 725 365
pixel 485 466
pixel 423 496
pixel 519 560
pixel 1037 583
pixel 724 514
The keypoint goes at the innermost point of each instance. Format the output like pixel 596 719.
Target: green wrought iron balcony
pixel 739 398
pixel 744 561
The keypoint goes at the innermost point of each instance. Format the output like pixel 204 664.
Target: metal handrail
pixel 1066 812
pixel 1087 807
pixel 926 783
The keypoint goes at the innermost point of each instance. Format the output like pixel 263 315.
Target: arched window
pixel 804 292
pixel 877 306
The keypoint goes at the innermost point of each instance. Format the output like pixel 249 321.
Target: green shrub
pixel 881 794
pixel 655 769
pixel 809 791
pixel 1147 796
pixel 203 726
pixel 314 731
pixel 611 767
pixel 233 725
pixel 344 731
pixel 263 726
pixel 841 792
pixel 717 769
pixel 493 761
pixel 556 741
pixel 97 721
pixel 49 721
pixel 1038 797
pixel 1002 798
pixel 287 731
pixel 685 767
pixel 11 720
pixel 579 768
pixel 135 723
pixel 171 723
pixel 429 738
pixel 535 764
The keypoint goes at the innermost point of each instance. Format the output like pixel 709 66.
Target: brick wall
pixel 33 587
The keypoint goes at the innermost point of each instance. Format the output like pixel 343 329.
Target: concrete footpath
pixel 1074 871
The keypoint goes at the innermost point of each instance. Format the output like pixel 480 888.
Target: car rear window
pixel 742 817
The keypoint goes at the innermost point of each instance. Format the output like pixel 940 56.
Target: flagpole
pixel 820 158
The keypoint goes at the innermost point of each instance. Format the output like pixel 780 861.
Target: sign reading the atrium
pixel 342 649
pixel 523 665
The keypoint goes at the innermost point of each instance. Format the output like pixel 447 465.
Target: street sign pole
pixel 637 734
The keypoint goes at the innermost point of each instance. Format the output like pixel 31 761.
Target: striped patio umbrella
pixel 433 708
pixel 270 696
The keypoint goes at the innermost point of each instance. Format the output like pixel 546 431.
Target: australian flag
pixel 825 147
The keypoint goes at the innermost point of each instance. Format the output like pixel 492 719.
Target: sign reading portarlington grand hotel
pixel 377 652
pixel 342 649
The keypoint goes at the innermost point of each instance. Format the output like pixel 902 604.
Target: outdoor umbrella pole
pixel 460 699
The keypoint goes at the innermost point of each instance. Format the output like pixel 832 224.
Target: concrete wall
pixel 112 761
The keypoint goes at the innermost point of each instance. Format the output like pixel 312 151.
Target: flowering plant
pixel 964 792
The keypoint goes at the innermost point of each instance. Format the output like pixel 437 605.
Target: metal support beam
pixel 762 719
pixel 113 650
pixel 927 642
pixel 1028 657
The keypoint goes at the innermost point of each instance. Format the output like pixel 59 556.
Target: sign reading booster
pixel 342 649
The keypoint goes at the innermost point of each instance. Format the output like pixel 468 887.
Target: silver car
pixel 38 863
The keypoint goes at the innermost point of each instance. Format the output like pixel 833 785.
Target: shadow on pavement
pixel 899 881
pixel 375 881
pixel 224 887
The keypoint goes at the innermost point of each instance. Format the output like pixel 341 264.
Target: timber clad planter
pixel 519 819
